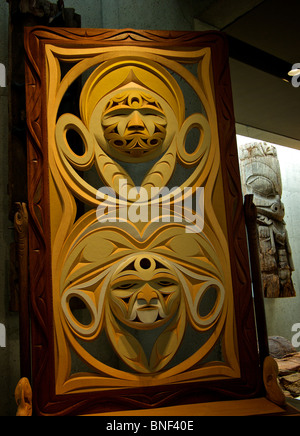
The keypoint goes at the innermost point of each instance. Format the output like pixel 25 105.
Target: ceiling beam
pixel 222 13
pixel 257 58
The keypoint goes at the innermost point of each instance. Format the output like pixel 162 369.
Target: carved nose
pixel 147 294
pixel 136 123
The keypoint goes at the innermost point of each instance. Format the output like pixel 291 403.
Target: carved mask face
pixel 266 197
pixel 144 292
pixel 134 123
pixel 261 177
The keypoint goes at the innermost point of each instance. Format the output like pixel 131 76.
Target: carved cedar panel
pixel 118 319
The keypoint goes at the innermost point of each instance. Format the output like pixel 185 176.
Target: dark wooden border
pixel 46 402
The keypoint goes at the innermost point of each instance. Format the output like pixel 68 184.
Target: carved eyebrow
pixel 124 285
pixel 152 110
pixel 165 276
pixel 124 109
pixel 122 280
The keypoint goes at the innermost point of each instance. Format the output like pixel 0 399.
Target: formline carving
pixel 134 280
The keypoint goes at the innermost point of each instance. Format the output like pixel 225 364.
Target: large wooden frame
pixel 55 390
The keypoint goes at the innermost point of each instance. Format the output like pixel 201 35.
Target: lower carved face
pixel 134 123
pixel 144 292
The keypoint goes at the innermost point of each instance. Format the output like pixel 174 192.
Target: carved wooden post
pixel 21 228
pixel 253 240
pixel 261 177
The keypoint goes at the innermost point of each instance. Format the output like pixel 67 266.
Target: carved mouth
pixel 148 314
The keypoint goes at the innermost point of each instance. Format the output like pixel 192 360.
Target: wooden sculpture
pixel 132 110
pixel 140 283
pixel 23 397
pixel 261 177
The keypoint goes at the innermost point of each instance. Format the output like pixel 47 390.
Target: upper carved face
pixel 265 196
pixel 144 293
pixel 261 177
pixel 134 123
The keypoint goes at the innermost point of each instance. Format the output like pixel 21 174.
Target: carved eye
pixel 165 283
pixel 262 186
pixel 126 286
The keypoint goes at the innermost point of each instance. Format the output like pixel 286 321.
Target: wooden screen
pixel 140 284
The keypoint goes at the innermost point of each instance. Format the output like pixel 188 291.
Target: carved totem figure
pixel 261 176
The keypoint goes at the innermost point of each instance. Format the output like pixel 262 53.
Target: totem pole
pixel 261 176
